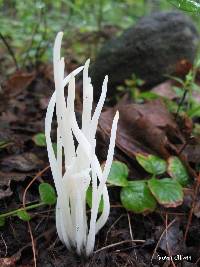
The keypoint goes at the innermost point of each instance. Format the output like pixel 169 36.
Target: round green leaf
pixel 118 174
pixel 40 139
pixel 137 197
pixel 177 170
pixel 167 191
pixel 2 221
pixel 152 164
pixel 186 5
pixel 23 215
pixel 47 194
pixel 89 200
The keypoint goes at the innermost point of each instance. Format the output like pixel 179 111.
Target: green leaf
pixel 137 197
pixel 23 215
pixel 186 5
pixel 152 164
pixel 2 221
pixel 194 112
pixel 4 144
pixel 40 139
pixel 89 199
pixel 148 95
pixel 118 174
pixel 177 170
pixel 47 194
pixel 167 191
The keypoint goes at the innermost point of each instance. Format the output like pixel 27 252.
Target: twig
pixel 33 244
pixel 181 103
pixel 197 261
pixel 115 222
pixel 129 224
pixel 161 236
pixel 24 206
pixel 39 50
pixel 168 247
pixel 192 208
pixel 183 147
pixel 6 248
pixel 33 180
pixel 119 243
pixel 9 50
pixel 131 232
pixel 116 206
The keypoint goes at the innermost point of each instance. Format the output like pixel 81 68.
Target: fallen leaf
pixel 172 239
pixel 24 162
pixel 18 82
pixel 165 90
pixel 5 181
pixel 143 128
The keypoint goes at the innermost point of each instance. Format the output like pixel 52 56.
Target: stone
pixel 150 49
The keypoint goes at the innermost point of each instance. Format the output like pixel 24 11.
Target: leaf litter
pixel 147 128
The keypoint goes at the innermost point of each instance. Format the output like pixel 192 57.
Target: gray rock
pixel 150 49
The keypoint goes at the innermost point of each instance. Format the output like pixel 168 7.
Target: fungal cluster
pixel 75 168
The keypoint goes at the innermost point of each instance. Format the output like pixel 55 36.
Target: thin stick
pixel 129 224
pixel 167 243
pixel 9 50
pixel 33 180
pixel 197 261
pixel 119 243
pixel 192 208
pixel 131 232
pixel 161 236
pixel 181 103
pixel 33 244
pixel 24 206
pixel 116 206
pixel 115 222
pixel 6 248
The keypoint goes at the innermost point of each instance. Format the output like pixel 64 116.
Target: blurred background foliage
pixel 29 27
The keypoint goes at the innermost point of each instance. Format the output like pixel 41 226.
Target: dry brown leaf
pixel 147 127
pixel 18 82
pixel 25 162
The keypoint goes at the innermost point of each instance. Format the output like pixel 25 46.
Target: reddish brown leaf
pixel 182 68
pixel 18 82
pixel 144 128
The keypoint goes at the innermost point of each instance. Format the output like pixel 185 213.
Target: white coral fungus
pixel 81 166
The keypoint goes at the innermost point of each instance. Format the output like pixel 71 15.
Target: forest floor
pixel 127 239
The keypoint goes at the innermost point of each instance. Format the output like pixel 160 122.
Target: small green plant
pixel 40 140
pixel 142 196
pixel 4 144
pixel 47 197
pixel 186 5
pixel 132 86
pixel 185 92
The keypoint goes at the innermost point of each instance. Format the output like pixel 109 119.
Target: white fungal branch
pixel 81 166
